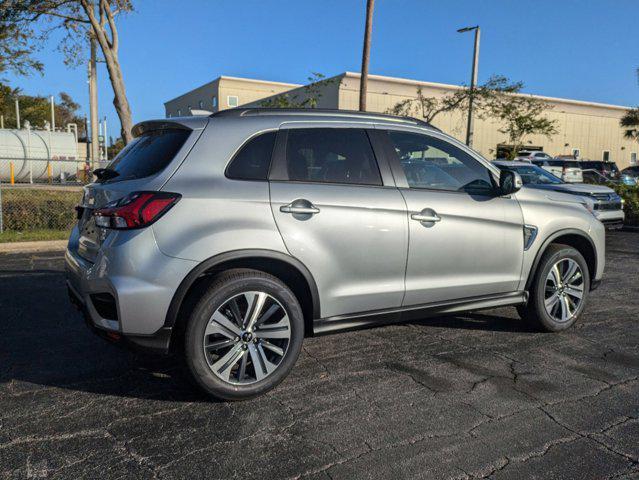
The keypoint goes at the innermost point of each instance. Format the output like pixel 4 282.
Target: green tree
pixel 16 54
pixel 79 20
pixel 115 148
pixel 37 109
pixel 308 98
pixel 429 108
pixel 630 121
pixel 520 116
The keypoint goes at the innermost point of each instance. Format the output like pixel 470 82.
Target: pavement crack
pixel 91 433
pixel 590 436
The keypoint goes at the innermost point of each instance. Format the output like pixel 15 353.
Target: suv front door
pixel 465 240
pixel 341 215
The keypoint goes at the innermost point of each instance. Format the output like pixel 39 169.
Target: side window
pixel 331 155
pixel 431 163
pixel 254 159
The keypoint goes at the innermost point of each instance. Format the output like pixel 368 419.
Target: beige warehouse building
pixel 586 129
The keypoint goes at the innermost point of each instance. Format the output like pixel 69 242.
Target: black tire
pixel 223 287
pixel 534 311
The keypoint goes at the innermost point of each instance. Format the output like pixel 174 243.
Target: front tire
pixel 559 290
pixel 244 335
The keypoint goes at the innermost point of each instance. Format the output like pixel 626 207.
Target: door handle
pixel 426 217
pixel 300 207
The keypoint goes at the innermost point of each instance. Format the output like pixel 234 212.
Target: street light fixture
pixel 473 82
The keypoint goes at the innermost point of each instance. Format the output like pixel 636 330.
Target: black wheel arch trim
pixel 202 267
pixel 548 241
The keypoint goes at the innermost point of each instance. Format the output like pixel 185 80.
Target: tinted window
pixel 331 155
pixel 573 164
pixel 432 163
pixel 148 154
pixel 254 159
pixel 534 175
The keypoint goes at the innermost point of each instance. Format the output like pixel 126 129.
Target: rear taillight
pixel 136 210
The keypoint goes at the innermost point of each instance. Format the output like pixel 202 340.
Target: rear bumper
pixel 126 291
pixel 157 343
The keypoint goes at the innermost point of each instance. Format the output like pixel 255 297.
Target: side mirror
pixel 509 182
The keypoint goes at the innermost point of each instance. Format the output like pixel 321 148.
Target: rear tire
pixel 559 290
pixel 244 335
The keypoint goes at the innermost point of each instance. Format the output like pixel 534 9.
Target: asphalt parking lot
pixel 469 396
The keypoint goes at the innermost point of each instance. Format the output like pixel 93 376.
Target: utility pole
pixel 93 105
pixel 473 83
pixel 366 53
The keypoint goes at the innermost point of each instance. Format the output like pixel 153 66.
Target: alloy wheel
pixel 246 338
pixel 564 290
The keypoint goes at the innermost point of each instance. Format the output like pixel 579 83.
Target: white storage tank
pixel 31 151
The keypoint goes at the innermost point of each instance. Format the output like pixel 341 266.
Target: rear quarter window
pixel 253 160
pixel 148 154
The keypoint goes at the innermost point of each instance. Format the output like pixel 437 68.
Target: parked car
pixel 530 156
pixel 596 178
pixel 607 169
pixel 567 170
pixel 604 203
pixel 229 238
pixel 631 172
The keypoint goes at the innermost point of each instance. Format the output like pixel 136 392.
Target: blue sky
pixel 582 49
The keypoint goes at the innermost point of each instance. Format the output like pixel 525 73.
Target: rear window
pixel 569 164
pixel 148 154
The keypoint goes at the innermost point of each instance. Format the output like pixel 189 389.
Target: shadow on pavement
pixel 478 321
pixel 44 341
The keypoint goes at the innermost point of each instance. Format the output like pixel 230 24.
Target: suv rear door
pixel 466 240
pixel 571 171
pixel 143 165
pixel 340 214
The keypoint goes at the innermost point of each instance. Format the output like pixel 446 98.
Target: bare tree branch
pixel 112 27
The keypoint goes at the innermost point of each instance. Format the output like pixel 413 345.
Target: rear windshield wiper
pixel 105 173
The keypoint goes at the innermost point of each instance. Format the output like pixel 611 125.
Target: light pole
pixel 473 83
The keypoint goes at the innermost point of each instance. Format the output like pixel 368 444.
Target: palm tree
pixel 630 121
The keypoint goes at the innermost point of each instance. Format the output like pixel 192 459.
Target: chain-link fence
pixel 38 196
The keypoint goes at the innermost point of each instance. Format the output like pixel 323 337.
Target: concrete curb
pixel 33 247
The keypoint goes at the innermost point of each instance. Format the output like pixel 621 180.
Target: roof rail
pixel 242 112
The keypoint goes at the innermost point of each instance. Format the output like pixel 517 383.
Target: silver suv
pixel 229 238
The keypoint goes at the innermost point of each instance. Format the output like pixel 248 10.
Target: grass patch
pixel 33 235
